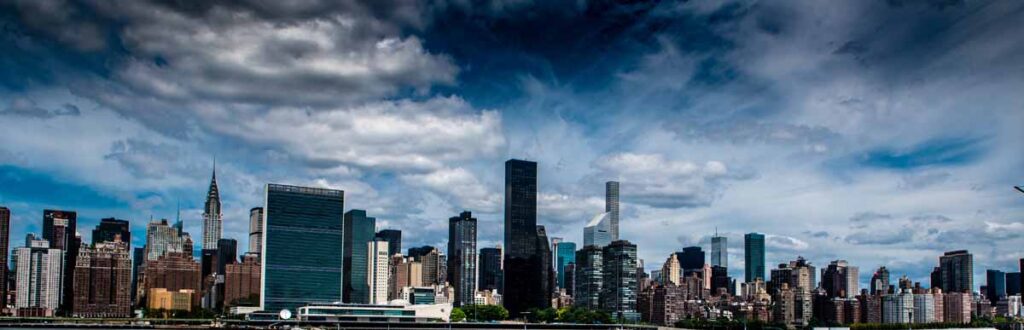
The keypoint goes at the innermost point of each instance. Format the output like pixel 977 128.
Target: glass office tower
pixel 302 250
pixel 753 256
pixel 360 230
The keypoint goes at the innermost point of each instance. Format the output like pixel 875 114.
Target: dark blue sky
pixel 882 132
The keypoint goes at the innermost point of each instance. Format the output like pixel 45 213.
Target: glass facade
pixel 719 251
pixel 753 256
pixel 522 282
pixel 691 260
pixel 589 280
pixel 565 254
pixel 394 239
pixel 303 247
pixel 490 269
pixel 360 230
pixel 618 293
pixel 462 257
pixel 611 205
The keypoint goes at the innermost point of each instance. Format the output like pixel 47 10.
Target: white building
pixel 377 271
pixel 39 274
pixel 396 312
pixel 924 308
pixel 897 308
pixel 598 231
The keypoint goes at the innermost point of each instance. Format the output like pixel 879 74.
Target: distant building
pixel 103 280
pixel 924 308
pixel 60 229
pixel 840 280
pixel 691 260
pixel 170 300
pixel 719 251
pixel 753 256
pixel 406 272
pixel 110 228
pixel 879 281
pixel 611 206
pixel 302 260
pixel 5 240
pixel 547 270
pixel 957 271
pixel 242 281
pixel 957 307
pixel 1013 283
pixel 377 271
pixel 39 277
pixel 597 232
pixel 671 271
pixel 161 239
pixel 359 232
pixel 394 239
pixel 138 259
pixel 462 257
pixel 212 215
pixel 524 268
pixel 256 230
pixel 434 267
pixel 720 281
pixel 898 308
pixel 375 313
pixel 565 254
pixel 618 292
pixel 173 271
pixel 995 285
pixel 589 277
pixel 490 269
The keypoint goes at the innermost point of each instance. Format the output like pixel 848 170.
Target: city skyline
pixel 837 144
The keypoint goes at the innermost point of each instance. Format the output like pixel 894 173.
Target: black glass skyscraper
pixel 753 256
pixel 59 227
pixel 490 269
pixel 110 227
pixel 957 271
pixel 227 253
pixel 691 260
pixel 995 285
pixel 522 282
pixel 303 244
pixel 394 239
pixel 547 271
pixel 462 257
pixel 417 252
pixel 360 230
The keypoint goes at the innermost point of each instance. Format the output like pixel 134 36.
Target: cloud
pixel 26 107
pixel 461 185
pixel 652 179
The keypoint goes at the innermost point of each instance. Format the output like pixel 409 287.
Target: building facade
pixel 39 275
pixel 60 229
pixel 523 285
pixel 377 272
pixel 359 232
pixel 565 254
pixel 995 285
pixel 957 271
pixel 102 285
pixel 212 215
pixel 394 238
pixel 462 257
pixel 840 280
pixel 753 257
pixel 611 206
pixel 5 241
pixel 589 277
pixel 302 234
pixel 719 251
pixel 490 269
pixel 618 292
pixel 598 232
pixel 173 271
pixel 242 281
pixel 256 230
pixel 109 228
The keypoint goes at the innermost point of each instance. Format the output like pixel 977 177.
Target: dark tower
pixel 5 240
pixel 59 227
pixel 522 271
pixel 109 228
pixel 462 257
pixel 394 239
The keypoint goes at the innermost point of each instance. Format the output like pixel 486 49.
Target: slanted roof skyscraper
pixel 212 214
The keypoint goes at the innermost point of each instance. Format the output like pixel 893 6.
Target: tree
pixel 485 312
pixel 458 315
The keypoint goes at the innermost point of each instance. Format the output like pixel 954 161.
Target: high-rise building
pixel 898 308
pixel 377 272
pixel 589 277
pixel 995 285
pixel 39 275
pixel 406 272
pixel 691 260
pixel 597 232
pixel 523 271
pixel 490 269
pixel 720 280
pixel 462 257
pixel 5 241
pixel 394 238
pixel 256 230
pixel 880 281
pixel 359 232
pixel 173 271
pixel 618 292
pixel 611 206
pixel 719 251
pixel 671 271
pixel 103 280
pixel 161 239
pixel 753 256
pixel 302 237
pixel 840 280
pixel 957 307
pixel 138 259
pixel 212 214
pixel 798 275
pixel 242 281
pixel 227 253
pixel 110 228
pixel 565 254
pixel 60 228
pixel 435 270
pixel 957 271
pixel 1012 283
pixel 417 252
pixel 547 271
pixel 924 308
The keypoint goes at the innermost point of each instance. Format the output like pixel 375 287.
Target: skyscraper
pixel 359 231
pixel 522 279
pixel 59 228
pixel 5 241
pixel 103 279
pixel 671 271
pixel 161 239
pixel 1012 283
pixel 597 232
pixel 611 206
pixel 212 214
pixel 589 277
pixel 302 234
pixel 394 238
pixel 256 230
pixel 719 251
pixel 753 256
pixel 995 285
pixel 138 259
pixel 840 280
pixel 691 260
pixel 547 270
pixel 957 271
pixel 377 272
pixel 39 275
pixel 618 292
pixel 565 254
pixel 490 269
pixel 109 228
pixel 462 257
pixel 880 280
pixel 227 253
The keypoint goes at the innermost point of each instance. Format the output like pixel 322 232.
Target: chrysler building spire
pixel 211 213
